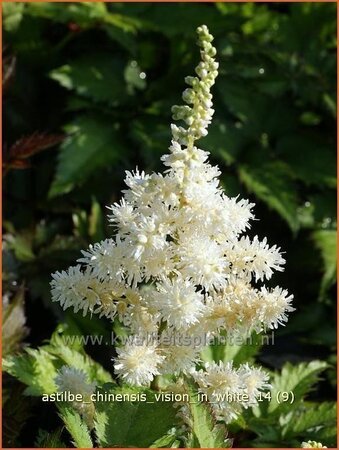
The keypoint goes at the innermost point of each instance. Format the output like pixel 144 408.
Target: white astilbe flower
pixel 254 258
pixel 179 264
pixel 236 214
pixel 254 380
pixel 105 259
pixel 275 304
pixel 312 444
pixel 178 302
pixel 122 216
pixel 140 320
pixel 222 385
pixel 181 351
pixel 137 363
pixel 229 389
pixel 70 379
pixel 218 378
pixel 202 260
pixel 76 289
pixel 198 116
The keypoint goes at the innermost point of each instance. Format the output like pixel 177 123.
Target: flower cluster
pixel 312 444
pixel 199 116
pixel 179 264
pixel 229 389
pixel 74 381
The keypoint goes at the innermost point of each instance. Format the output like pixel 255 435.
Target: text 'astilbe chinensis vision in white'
pixel 179 267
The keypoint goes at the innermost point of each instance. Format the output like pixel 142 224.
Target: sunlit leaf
pixel 206 432
pixel 94 76
pixel 12 15
pixel 93 143
pixel 326 241
pixel 271 183
pixel 129 424
pixel 75 426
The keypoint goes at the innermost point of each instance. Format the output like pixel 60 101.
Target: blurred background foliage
pixel 88 90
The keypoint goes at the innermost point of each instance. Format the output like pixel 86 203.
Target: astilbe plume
pixel 179 267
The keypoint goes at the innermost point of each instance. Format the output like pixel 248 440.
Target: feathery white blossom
pixel 137 363
pixel 70 379
pixel 228 389
pixel 180 265
pixel 312 444
pixel 178 302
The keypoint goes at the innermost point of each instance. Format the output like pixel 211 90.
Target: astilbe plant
pixel 180 270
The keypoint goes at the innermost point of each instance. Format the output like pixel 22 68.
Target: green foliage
pixel 93 77
pixel 49 440
pixel 271 183
pixel 21 245
pixel 76 357
pixel 35 368
pixel 130 424
pixel 75 426
pixel 12 15
pixel 305 422
pixel 206 432
pixel 297 379
pixel 285 423
pixel 92 144
pixel 17 409
pixel 86 14
pixel 326 242
pixel 167 441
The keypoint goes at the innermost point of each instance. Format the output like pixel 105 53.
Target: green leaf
pixel 271 183
pixel 259 22
pixel 296 379
pixel 35 368
pixel 13 323
pixel 330 102
pixel 315 416
pixel 94 76
pixel 326 241
pixel 309 160
pixel 46 439
pixel 84 14
pixel 133 77
pixel 163 19
pixel 17 410
pixel 80 222
pixel 75 426
pixel 38 368
pixel 21 244
pixel 225 141
pixel 12 15
pixel 123 23
pixel 132 424
pixel 61 347
pixel 167 441
pixel 96 222
pixel 93 143
pixel 206 432
pixel 326 435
